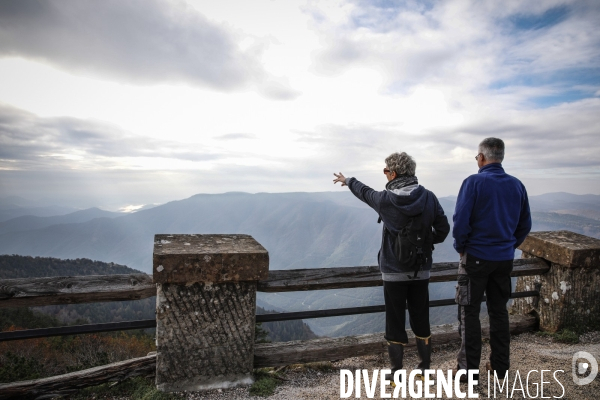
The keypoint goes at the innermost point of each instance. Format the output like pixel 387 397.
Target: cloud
pixel 335 138
pixel 470 45
pixel 30 142
pixel 235 136
pixel 561 139
pixel 411 45
pixel 557 141
pixel 554 149
pixel 137 41
pixel 277 88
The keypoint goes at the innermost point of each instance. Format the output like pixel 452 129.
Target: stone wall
pixel 570 291
pixel 205 309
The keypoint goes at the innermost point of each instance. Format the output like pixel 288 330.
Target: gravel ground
pixel 528 352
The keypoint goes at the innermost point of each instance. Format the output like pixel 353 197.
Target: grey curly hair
pixel 401 163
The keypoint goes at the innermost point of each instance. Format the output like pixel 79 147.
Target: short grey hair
pixel 401 164
pixel 492 149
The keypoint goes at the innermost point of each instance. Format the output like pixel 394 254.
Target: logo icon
pixel 584 372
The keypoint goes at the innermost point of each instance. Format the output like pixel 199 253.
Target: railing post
pixel 570 291
pixel 205 309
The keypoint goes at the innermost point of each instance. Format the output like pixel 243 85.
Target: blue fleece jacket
pixel 395 207
pixel 492 215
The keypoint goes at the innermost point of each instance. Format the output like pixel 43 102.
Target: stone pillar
pixel 570 291
pixel 205 309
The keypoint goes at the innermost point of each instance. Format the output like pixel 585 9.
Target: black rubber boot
pixel 396 353
pixel 424 350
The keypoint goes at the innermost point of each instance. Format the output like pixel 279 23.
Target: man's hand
pixel 339 178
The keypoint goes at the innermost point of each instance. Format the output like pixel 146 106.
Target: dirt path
pixel 528 352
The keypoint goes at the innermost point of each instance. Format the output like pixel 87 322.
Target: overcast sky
pixel 116 103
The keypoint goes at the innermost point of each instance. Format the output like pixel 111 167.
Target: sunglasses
pixel 386 171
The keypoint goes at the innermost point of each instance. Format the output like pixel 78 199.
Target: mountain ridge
pixel 32 222
pixel 300 230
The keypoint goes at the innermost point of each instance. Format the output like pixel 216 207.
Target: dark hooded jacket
pixel 395 208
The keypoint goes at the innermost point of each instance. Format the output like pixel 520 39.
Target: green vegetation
pixel 38 358
pixel 265 382
pixel 25 318
pixel 282 331
pixel 260 335
pixel 562 336
pixel 135 389
pixel 16 368
pixel 570 333
pixel 323 366
pixel 43 357
pixel 98 313
pixel 267 379
pixel 14 266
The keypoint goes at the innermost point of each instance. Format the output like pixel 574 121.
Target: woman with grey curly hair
pixel 403 205
pixel 401 164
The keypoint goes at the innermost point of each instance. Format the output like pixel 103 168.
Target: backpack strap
pixel 416 224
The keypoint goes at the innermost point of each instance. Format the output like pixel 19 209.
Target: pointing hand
pixel 339 178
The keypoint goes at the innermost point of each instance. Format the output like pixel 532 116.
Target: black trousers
pixel 397 296
pixel 476 277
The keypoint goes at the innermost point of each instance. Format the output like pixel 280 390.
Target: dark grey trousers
pixel 476 278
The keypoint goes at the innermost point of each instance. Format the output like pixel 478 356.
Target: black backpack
pixel 413 245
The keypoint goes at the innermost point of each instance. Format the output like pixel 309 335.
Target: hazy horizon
pixel 129 208
pixel 300 230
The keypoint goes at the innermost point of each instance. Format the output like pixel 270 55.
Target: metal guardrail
pixel 151 323
pixel 337 312
pixel 77 329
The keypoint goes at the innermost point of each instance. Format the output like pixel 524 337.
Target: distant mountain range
pixel 300 230
pixel 11 211
pixel 31 222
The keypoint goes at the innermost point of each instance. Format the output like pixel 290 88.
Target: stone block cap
pixel 564 247
pixel 208 258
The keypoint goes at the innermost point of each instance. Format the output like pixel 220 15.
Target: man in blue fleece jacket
pixel 403 199
pixel 491 219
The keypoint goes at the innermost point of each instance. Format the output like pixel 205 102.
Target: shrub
pixel 43 357
pixel 264 384
pixel 562 336
pixel 15 368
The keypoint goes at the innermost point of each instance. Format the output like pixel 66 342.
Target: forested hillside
pixel 284 331
pixel 15 266
pixel 37 358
